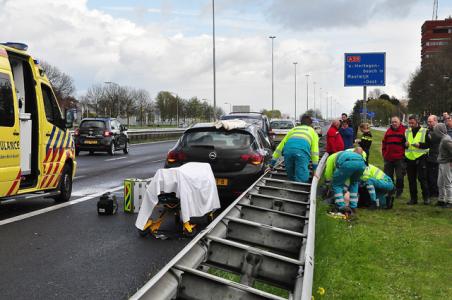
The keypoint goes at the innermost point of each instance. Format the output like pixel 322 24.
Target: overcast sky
pixel 167 44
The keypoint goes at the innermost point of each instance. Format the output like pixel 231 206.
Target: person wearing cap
pixel 342 167
pixel 299 147
pixel 379 185
pixel 417 145
pixel 445 168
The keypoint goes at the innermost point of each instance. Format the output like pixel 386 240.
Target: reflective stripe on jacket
pixel 301 132
pixel 412 153
pixel 372 172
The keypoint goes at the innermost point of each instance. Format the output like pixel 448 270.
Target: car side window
pixel 7 114
pixel 113 125
pixel 53 113
pixel 265 142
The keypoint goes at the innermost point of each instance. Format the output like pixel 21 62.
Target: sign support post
pixel 365 103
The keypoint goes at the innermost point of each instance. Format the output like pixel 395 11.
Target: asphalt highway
pixel 68 251
pixel 73 253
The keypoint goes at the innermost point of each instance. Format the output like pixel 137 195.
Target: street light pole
pixel 307 92
pixel 320 102
pixel 214 70
pixel 230 106
pixel 315 113
pixel 273 93
pixel 295 111
pixel 327 115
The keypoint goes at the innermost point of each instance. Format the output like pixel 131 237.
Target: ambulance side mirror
pixel 69 118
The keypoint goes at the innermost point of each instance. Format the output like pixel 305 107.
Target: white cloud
pixel 94 47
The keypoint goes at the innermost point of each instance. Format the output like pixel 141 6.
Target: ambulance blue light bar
pixel 18 46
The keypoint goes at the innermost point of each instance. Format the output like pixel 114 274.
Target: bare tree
pixel 62 83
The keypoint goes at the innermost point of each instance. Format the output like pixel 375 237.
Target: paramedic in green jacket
pixel 378 185
pixel 299 147
pixel 342 167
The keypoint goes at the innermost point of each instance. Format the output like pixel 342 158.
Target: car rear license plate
pixel 222 181
pixel 91 142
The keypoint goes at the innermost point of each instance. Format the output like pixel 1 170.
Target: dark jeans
pixel 432 178
pixel 417 170
pixel 398 168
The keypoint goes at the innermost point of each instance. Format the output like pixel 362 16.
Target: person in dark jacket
pixel 347 134
pixel 393 150
pixel 432 163
pixel 366 139
pixel 334 142
pixel 445 167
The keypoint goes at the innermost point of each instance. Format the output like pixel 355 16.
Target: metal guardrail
pixel 151 134
pixel 266 235
pixel 143 134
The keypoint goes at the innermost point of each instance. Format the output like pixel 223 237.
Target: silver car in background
pixel 279 128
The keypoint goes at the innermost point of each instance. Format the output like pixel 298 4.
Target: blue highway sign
pixel 365 69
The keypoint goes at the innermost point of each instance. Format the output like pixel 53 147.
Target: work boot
pixel 399 193
pixel 447 205
pixel 373 206
pixel 426 201
pixel 412 202
pixel 389 202
pixel 440 203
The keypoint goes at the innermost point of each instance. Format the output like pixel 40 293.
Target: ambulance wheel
pixel 126 148
pixel 65 185
pixel 112 149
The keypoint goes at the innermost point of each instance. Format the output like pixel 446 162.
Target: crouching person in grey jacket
pixel 445 169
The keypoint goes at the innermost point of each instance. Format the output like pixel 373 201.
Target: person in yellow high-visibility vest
pixel 417 145
pixel 378 185
pixel 299 147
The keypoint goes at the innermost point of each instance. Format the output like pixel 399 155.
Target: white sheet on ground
pixel 193 183
pixel 230 124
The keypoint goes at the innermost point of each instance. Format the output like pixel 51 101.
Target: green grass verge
pixel 257 284
pixel 403 253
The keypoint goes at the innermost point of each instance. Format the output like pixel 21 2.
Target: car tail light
pixel 175 156
pixel 107 133
pixel 77 132
pixel 252 158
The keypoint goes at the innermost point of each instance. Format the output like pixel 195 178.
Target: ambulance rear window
pixel 93 124
pixel 6 101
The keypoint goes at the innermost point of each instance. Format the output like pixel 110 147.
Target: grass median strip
pixel 403 253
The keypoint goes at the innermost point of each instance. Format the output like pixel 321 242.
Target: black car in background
pixel 101 134
pixel 237 157
pixel 257 119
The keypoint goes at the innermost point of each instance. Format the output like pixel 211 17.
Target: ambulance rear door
pixel 9 131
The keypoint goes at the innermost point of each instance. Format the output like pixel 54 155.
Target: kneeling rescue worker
pixel 342 167
pixel 299 147
pixel 378 185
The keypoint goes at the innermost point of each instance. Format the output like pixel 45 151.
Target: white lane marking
pixel 55 207
pixel 78 177
pixel 116 158
pixel 148 143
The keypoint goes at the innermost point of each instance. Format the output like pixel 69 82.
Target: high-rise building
pixel 435 35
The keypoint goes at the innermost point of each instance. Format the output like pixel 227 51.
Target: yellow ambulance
pixel 36 148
